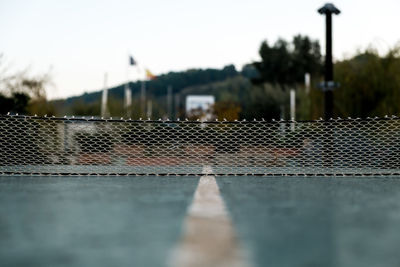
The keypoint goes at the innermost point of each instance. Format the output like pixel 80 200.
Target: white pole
pixel 128 99
pixel 292 107
pixel 128 96
pixel 176 109
pixel 104 98
pixel 149 108
pixel 307 82
pixel 143 97
pixel 169 102
pixel 128 92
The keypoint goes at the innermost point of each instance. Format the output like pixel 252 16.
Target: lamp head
pixel 329 8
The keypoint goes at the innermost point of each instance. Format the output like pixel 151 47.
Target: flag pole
pixel 104 98
pixel 128 92
pixel 292 108
pixel 169 102
pixel 149 108
pixel 143 96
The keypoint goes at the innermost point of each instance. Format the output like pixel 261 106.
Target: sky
pixel 78 41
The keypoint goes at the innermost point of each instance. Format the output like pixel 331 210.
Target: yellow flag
pixel 150 75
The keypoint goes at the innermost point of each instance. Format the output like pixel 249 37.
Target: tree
pixel 22 93
pixel 262 102
pixel 227 110
pixel 79 108
pixel 306 56
pixel 369 84
pixel 285 64
pixel 16 103
pixel 275 64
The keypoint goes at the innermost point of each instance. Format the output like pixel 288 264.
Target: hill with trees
pixel 156 90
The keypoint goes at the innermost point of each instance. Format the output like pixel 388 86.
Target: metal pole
pixel 143 98
pixel 292 108
pixel 169 102
pixel 149 109
pixel 177 106
pixel 127 95
pixel 104 98
pixel 328 68
pixel 328 10
pixel 128 99
pixel 329 85
pixel 307 82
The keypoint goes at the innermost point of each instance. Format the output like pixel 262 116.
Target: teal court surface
pixel 246 221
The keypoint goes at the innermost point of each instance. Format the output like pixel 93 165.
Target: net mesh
pixel 79 146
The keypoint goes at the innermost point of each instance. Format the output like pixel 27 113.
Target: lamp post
pixel 328 86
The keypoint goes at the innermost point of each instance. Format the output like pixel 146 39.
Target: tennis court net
pixel 33 145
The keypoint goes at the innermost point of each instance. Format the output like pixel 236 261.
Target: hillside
pixel 89 103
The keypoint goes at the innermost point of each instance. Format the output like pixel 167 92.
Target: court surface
pixel 157 221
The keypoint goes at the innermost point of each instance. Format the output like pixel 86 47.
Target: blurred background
pixel 196 59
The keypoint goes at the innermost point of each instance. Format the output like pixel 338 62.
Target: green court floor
pixel 89 221
pixel 136 221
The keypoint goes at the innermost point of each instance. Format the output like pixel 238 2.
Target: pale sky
pixel 80 40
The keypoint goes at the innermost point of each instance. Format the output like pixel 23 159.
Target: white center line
pixel 209 237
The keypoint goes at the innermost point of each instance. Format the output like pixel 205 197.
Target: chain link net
pixel 77 146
